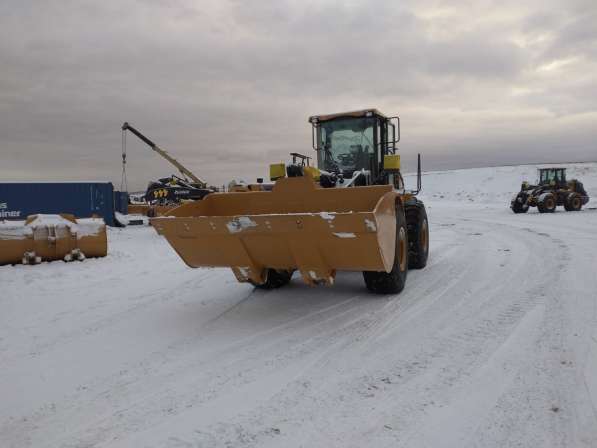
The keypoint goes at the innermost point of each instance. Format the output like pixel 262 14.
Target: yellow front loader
pixel 351 213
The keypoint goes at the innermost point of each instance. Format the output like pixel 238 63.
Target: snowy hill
pixel 495 185
pixel 493 344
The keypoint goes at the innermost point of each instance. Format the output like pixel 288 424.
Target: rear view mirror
pixel 316 135
pixel 394 123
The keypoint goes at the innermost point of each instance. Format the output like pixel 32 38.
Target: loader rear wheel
pixel 418 235
pixel 392 282
pixel 573 202
pixel 547 204
pixel 274 279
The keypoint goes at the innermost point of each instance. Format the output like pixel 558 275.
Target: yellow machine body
pixel 295 226
pixel 52 237
pixel 391 162
pixel 349 213
pixel 277 171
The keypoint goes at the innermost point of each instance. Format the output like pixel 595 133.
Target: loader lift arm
pixel 183 170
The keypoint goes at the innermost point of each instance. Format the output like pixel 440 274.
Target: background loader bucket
pixel 52 237
pixel 149 210
pixel 297 225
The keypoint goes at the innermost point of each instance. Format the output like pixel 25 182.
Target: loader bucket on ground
pixel 52 237
pixel 297 225
pixel 149 210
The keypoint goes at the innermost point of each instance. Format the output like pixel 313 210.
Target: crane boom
pixel 183 170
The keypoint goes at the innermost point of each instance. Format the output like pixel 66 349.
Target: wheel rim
pixel 576 202
pixel 549 203
pixel 402 249
pixel 264 277
pixel 424 235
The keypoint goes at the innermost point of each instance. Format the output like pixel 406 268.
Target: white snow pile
pixel 14 230
pixel 345 234
pixel 23 229
pixel 239 224
pixel 494 185
pixel 125 220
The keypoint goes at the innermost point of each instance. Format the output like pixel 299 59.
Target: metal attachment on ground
pixel 52 237
pixel 75 254
pixel 30 258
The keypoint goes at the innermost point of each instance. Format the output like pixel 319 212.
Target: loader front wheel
pixel 519 207
pixel 547 204
pixel 392 282
pixel 418 235
pixel 274 279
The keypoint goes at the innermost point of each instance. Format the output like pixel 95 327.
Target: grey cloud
pixel 227 86
pixel 576 37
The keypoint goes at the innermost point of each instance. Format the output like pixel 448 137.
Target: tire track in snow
pixel 85 328
pixel 564 349
pixel 352 333
pixel 421 373
pixel 327 368
pixel 352 328
pixel 281 329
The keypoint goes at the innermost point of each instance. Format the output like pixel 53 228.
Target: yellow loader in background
pixel 351 213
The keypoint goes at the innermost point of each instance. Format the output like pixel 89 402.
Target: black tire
pixel 547 204
pixel 274 279
pixel 519 207
pixel 418 234
pixel 573 202
pixel 392 282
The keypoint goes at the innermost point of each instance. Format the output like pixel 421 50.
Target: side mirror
pixel 315 134
pixel 393 133
pixel 394 122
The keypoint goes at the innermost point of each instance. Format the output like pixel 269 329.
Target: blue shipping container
pixel 121 202
pixel 82 199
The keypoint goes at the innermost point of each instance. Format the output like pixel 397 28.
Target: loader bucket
pixel 297 225
pixel 52 237
pixel 149 210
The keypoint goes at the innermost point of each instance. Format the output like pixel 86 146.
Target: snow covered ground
pixel 494 344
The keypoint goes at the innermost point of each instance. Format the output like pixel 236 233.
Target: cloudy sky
pixel 226 86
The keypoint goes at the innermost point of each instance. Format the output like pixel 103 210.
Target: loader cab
pixel 354 141
pixel 548 176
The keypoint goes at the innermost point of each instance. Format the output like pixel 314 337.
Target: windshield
pixel 347 144
pixel 549 175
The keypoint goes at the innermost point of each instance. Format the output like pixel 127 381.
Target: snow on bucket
pixel 297 225
pixel 52 237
